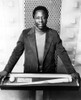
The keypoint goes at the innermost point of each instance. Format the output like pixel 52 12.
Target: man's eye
pixel 37 18
pixel 40 18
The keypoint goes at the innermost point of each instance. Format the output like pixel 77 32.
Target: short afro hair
pixel 41 8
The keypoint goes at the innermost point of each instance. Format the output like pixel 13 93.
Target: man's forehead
pixel 40 12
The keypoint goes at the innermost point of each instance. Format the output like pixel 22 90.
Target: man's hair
pixel 41 8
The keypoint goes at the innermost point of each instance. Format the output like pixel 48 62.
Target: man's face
pixel 40 19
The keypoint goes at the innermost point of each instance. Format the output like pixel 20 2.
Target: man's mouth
pixel 40 25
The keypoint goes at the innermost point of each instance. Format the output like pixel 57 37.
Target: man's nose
pixel 40 19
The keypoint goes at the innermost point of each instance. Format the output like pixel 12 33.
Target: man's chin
pixel 40 27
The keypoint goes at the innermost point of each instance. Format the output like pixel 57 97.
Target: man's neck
pixel 41 31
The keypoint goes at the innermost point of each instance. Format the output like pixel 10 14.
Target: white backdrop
pixel 11 25
pixel 71 30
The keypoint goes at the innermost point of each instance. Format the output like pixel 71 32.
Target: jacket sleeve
pixel 17 52
pixel 63 55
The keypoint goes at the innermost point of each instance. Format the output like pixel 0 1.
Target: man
pixel 39 44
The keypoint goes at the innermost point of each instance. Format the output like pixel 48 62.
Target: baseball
pixel 12 79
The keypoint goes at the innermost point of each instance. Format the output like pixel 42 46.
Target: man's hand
pixel 3 74
pixel 76 76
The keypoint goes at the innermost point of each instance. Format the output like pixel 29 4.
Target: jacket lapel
pixel 32 42
pixel 47 43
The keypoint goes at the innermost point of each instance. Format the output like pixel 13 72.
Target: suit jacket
pixel 27 43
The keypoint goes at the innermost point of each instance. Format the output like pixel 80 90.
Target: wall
pixel 11 26
pixel 71 30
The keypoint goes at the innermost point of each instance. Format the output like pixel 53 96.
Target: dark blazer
pixel 27 43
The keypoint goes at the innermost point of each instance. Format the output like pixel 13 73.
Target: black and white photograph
pixel 40 49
